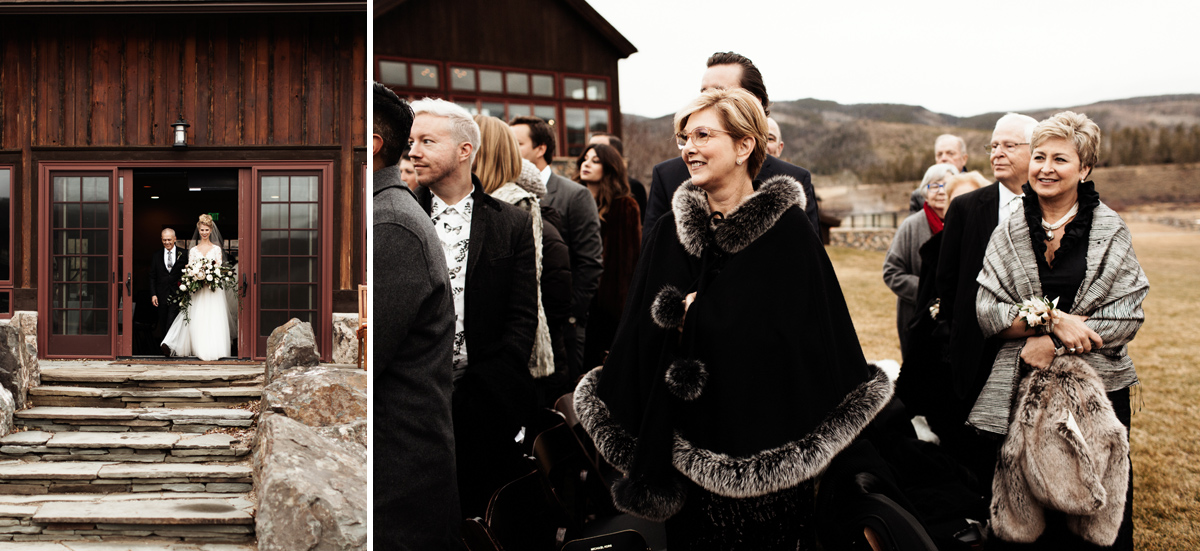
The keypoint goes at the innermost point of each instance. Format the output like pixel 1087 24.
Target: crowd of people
pixel 711 354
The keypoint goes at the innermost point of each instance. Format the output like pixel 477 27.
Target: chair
pixel 570 474
pixel 625 540
pixel 522 515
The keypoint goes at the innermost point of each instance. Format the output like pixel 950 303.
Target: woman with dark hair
pixel 601 169
pixel 736 375
pixel 1060 278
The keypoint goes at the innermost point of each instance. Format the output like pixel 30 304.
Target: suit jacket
pixel 163 283
pixel 668 175
pixel 581 225
pixel 970 221
pixel 414 313
pixel 501 310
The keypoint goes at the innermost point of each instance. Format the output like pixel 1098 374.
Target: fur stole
pixel 742 225
pixel 1065 450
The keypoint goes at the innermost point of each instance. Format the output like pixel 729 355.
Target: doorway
pixel 175 198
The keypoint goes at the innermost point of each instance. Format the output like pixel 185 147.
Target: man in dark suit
pixel 416 491
pixel 489 252
pixel 725 70
pixel 165 272
pixel 970 220
pixel 581 230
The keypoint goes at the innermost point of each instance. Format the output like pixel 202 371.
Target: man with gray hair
pixel 947 149
pixel 488 245
pixel 969 222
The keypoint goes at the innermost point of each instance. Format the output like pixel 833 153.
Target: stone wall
pixel 19 370
pixel 866 239
pixel 345 338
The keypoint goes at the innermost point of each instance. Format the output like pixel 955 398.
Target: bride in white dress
pixel 205 332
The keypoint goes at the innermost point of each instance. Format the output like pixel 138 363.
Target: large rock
pixel 290 345
pixel 7 408
pixel 19 369
pixel 312 491
pixel 332 399
pixel 345 338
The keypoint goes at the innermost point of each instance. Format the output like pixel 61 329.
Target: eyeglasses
pixel 1009 147
pixel 935 186
pixel 699 136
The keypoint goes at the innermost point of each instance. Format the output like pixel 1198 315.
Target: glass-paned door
pixel 289 265
pixel 82 277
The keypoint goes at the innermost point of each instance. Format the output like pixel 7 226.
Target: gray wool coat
pixel 902 270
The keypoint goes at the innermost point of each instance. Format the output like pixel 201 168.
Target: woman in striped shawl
pixel 1060 278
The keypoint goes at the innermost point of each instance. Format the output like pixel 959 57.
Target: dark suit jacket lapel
pixel 481 219
pixel 991 206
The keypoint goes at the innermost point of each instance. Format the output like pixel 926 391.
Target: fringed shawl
pixel 1111 294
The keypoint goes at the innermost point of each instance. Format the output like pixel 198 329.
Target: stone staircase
pixel 118 456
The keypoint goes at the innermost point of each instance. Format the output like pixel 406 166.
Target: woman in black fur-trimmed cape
pixel 736 375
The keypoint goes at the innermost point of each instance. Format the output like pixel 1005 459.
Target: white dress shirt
pixel 545 174
pixel 1009 202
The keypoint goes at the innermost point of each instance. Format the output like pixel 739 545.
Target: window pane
pixel 576 130
pixel 469 106
pixel 543 85
pixel 518 83
pixel 597 90
pixel 518 110
pixel 275 242
pixel 304 215
pixel 573 88
pixel 598 120
pixel 97 294
pixel 268 321
pixel 493 109
pixel 95 215
pixel 462 78
pixel 61 184
pixel 274 189
pixel 274 297
pixel 490 81
pixel 274 269
pixel 303 297
pixel 393 72
pixel 304 270
pixel 304 188
pixel 94 241
pixel 95 188
pixel 304 243
pixel 424 76
pixel 274 216
pixel 544 112
pixel 5 301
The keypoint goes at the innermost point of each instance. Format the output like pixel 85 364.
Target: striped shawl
pixel 1111 294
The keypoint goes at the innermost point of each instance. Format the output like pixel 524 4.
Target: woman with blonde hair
pixel 204 331
pixel 1062 288
pixel 736 375
pixel 498 165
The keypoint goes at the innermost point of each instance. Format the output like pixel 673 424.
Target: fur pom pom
pixel 657 502
pixel 686 378
pixel 667 309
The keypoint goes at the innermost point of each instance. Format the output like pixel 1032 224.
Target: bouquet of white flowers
pixel 201 273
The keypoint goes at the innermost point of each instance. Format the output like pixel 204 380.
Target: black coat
pixel 412 342
pixel 768 338
pixel 556 286
pixel 164 285
pixel 970 221
pixel 495 396
pixel 668 175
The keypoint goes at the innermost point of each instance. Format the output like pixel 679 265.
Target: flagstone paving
pixel 116 457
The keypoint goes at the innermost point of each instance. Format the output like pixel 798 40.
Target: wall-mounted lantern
pixel 180 127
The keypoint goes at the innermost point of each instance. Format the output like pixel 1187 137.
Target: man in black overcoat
pixel 970 220
pixel 495 286
pixel 415 492
pixel 165 272
pixel 725 70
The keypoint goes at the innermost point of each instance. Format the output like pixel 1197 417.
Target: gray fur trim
pixel 611 440
pixel 667 308
pixel 786 466
pixel 650 501
pixel 742 225
pixel 686 377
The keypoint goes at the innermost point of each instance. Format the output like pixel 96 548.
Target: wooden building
pixel 556 59
pixel 274 97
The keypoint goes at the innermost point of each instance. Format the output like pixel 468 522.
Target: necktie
pixel 170 260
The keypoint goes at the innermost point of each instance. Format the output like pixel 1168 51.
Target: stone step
pixel 137 447
pixel 149 375
pixel 123 544
pixel 50 477
pixel 184 518
pixel 107 419
pixel 90 396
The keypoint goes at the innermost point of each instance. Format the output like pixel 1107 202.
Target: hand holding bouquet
pixel 201 273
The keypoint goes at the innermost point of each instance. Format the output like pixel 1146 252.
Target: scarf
pixel 935 221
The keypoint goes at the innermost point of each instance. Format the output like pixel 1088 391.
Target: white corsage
pixel 935 308
pixel 1040 314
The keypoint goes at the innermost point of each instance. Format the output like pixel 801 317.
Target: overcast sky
pixel 958 57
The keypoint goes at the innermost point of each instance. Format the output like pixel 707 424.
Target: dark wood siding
pixel 252 86
pixel 546 35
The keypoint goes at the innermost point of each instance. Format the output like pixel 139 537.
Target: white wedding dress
pixel 205 333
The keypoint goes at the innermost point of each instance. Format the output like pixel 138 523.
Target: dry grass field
pixel 1165 438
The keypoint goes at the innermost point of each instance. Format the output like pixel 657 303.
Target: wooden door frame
pixel 248 193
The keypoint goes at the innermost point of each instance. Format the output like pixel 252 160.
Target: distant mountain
pixel 880 142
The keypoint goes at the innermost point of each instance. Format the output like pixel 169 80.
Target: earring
pixel 739 162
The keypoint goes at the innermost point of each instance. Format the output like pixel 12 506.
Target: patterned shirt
pixel 453 225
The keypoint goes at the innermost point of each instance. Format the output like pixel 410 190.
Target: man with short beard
pixel 969 223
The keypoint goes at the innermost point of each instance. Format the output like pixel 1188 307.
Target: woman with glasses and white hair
pixel 736 375
pixel 902 265
pixel 1062 287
